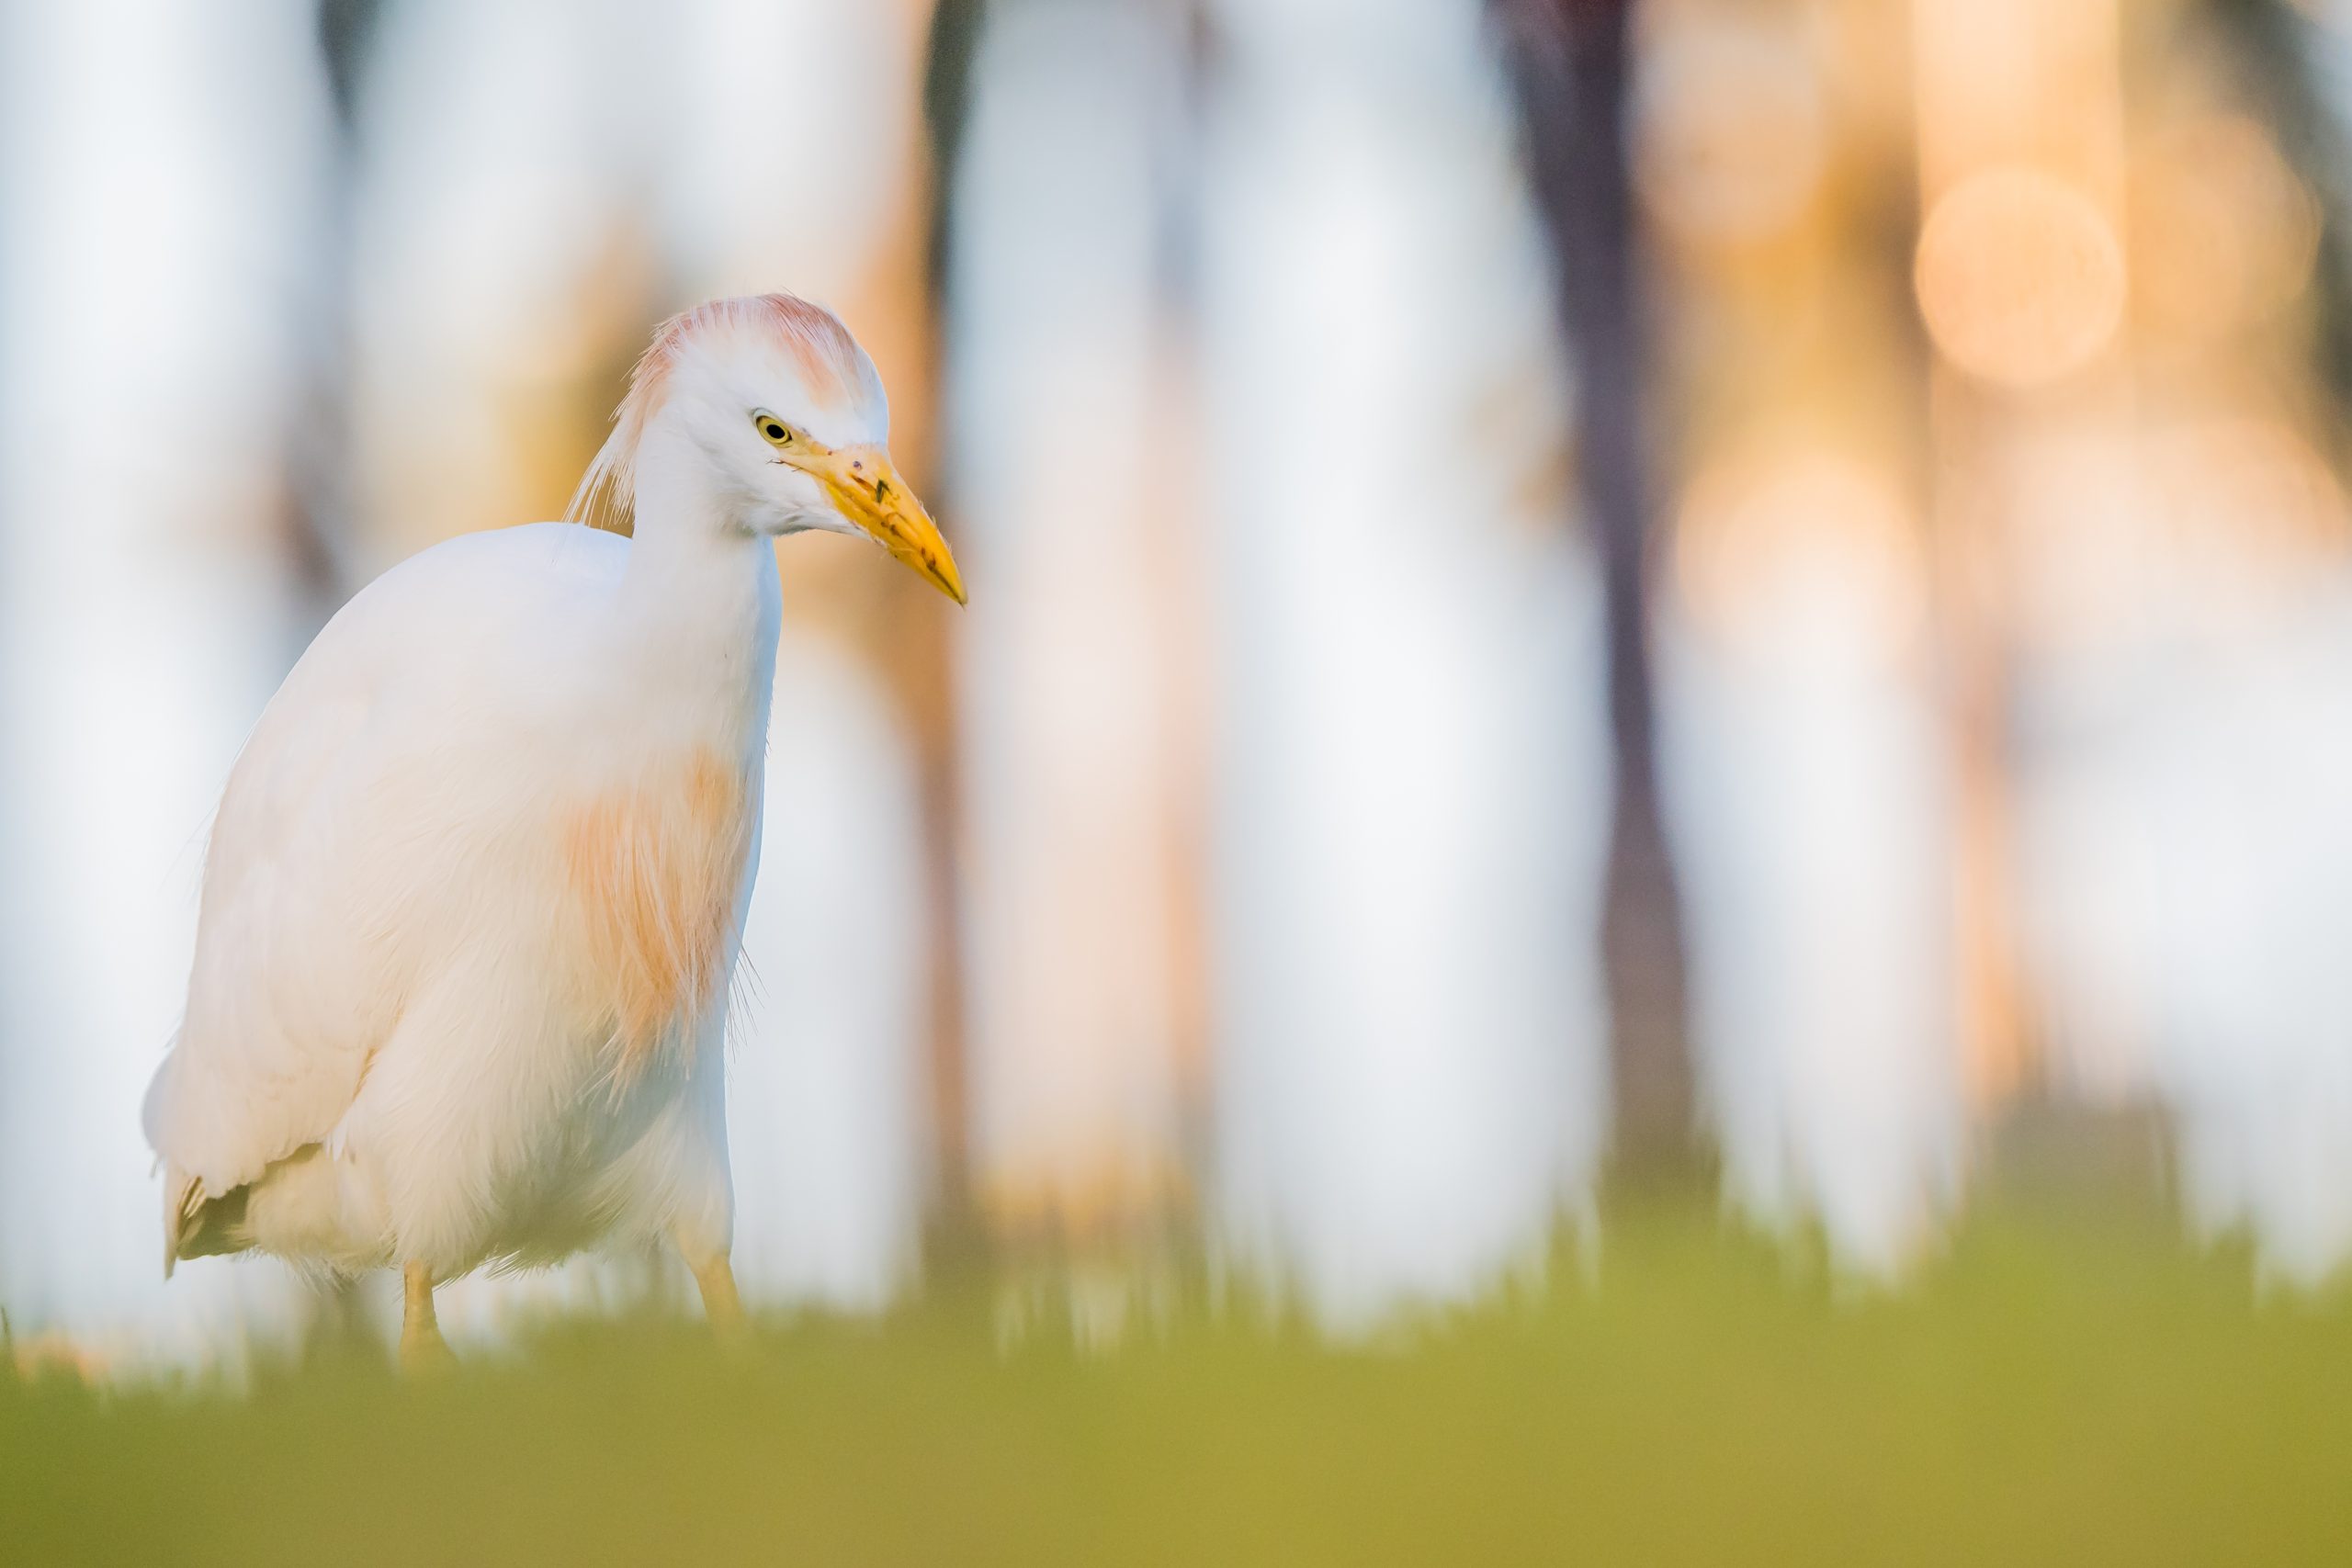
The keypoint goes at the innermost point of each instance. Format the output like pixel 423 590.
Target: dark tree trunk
pixel 954 1233
pixel 1568 65
pixel 320 535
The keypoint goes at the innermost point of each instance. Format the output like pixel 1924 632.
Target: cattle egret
pixel 477 882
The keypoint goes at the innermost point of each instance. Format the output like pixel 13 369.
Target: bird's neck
pixel 700 609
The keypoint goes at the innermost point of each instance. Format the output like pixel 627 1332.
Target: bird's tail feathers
pixel 198 1225
pixel 183 1201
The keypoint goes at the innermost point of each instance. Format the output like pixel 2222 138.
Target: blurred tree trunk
pixel 321 536
pixel 946 102
pixel 1569 62
pixel 2301 93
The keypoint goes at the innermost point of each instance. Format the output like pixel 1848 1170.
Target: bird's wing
pixel 327 841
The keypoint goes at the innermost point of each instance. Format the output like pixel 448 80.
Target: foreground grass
pixel 2061 1389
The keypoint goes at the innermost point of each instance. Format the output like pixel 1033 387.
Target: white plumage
pixel 477 882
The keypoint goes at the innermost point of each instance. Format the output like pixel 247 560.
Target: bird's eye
pixel 778 434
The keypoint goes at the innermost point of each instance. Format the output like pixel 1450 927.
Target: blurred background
pixel 1568 596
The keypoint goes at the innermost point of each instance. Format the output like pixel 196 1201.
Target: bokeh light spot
pixel 2020 277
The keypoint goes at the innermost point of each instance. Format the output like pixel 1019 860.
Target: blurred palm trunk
pixel 321 543
pixel 1569 62
pixel 946 105
pixel 145 608
pixel 1062 382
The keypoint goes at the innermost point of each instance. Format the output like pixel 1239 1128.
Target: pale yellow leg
pixel 720 1304
pixel 423 1353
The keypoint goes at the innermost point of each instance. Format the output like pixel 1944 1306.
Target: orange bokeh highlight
pixel 2020 277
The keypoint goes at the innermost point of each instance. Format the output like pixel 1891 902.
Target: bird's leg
pixel 716 1278
pixel 423 1353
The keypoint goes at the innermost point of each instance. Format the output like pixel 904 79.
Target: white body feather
pixel 395 1034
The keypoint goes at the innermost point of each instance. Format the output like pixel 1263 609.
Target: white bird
pixel 477 882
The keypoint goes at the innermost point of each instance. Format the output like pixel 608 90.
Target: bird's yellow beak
pixel 865 486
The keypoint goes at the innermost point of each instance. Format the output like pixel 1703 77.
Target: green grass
pixel 2064 1387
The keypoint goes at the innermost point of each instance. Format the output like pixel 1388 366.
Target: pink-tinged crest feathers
pixel 835 372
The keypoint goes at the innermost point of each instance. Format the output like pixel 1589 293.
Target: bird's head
pixel 776 403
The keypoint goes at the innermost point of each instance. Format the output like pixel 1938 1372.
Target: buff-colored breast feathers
pixel 656 867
